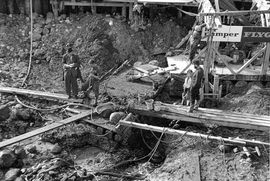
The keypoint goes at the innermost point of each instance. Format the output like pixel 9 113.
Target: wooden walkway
pixel 44 129
pixel 205 116
pixel 33 93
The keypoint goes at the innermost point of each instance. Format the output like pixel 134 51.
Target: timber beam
pixel 239 141
pixel 40 94
pixel 44 129
pixel 234 13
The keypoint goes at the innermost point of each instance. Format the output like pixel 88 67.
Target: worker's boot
pixel 191 108
pixel 188 103
pixel 196 106
pixel 183 99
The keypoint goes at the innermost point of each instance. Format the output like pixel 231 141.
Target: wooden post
pixel 124 10
pixel 73 7
pixel 130 14
pixel 93 8
pixel 265 63
pixel 216 84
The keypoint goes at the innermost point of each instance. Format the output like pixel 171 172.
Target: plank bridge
pixel 204 116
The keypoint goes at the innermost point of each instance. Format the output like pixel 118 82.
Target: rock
pixel 19 179
pixel 12 174
pixel 56 149
pixel 116 117
pixel 32 149
pixel 18 163
pixel 35 44
pixel 39 53
pixel 52 172
pixel 38 61
pixel 6 67
pixel 153 62
pixel 18 106
pixel 21 75
pixel 36 36
pixel 7 158
pixel 78 42
pixel 1 175
pixel 45 31
pixel 105 109
pixel 240 87
pixel 20 152
pixel 5 112
pixel 225 148
pixel 49 17
pixel 137 64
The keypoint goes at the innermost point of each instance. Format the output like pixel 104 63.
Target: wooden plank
pixel 184 40
pixel 191 134
pixel 44 95
pixel 250 60
pixel 234 13
pixel 222 112
pixel 44 129
pixel 204 116
pixel 197 118
pixel 198 168
pixel 68 3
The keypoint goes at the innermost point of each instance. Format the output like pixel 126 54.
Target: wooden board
pixel 205 116
pixel 108 4
pixel 44 95
pixel 96 120
pixel 44 129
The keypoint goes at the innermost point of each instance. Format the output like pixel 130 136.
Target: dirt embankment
pixel 91 37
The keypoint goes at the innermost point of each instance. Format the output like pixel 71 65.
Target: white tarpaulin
pixel 225 34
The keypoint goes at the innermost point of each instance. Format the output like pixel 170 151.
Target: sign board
pixel 225 34
pixel 239 34
pixel 256 34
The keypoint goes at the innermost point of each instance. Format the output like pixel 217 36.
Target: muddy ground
pixel 77 148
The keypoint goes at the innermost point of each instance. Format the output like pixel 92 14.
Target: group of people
pixel 192 85
pixel 72 73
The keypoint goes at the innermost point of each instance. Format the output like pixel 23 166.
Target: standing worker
pixel 92 83
pixel 70 73
pixel 186 86
pixel 196 84
pixel 194 40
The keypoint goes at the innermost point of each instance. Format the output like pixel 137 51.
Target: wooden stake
pixel 130 12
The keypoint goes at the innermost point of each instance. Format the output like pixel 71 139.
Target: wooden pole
pixel 130 12
pixel 250 60
pixel 124 10
pixel 265 64
pixel 191 134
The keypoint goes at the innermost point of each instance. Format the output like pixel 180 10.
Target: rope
pixel 157 144
pixel 31 44
pixel 49 109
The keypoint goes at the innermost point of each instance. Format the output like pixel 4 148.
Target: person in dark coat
pixel 70 74
pixel 196 84
pixel 195 40
pixel 79 74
